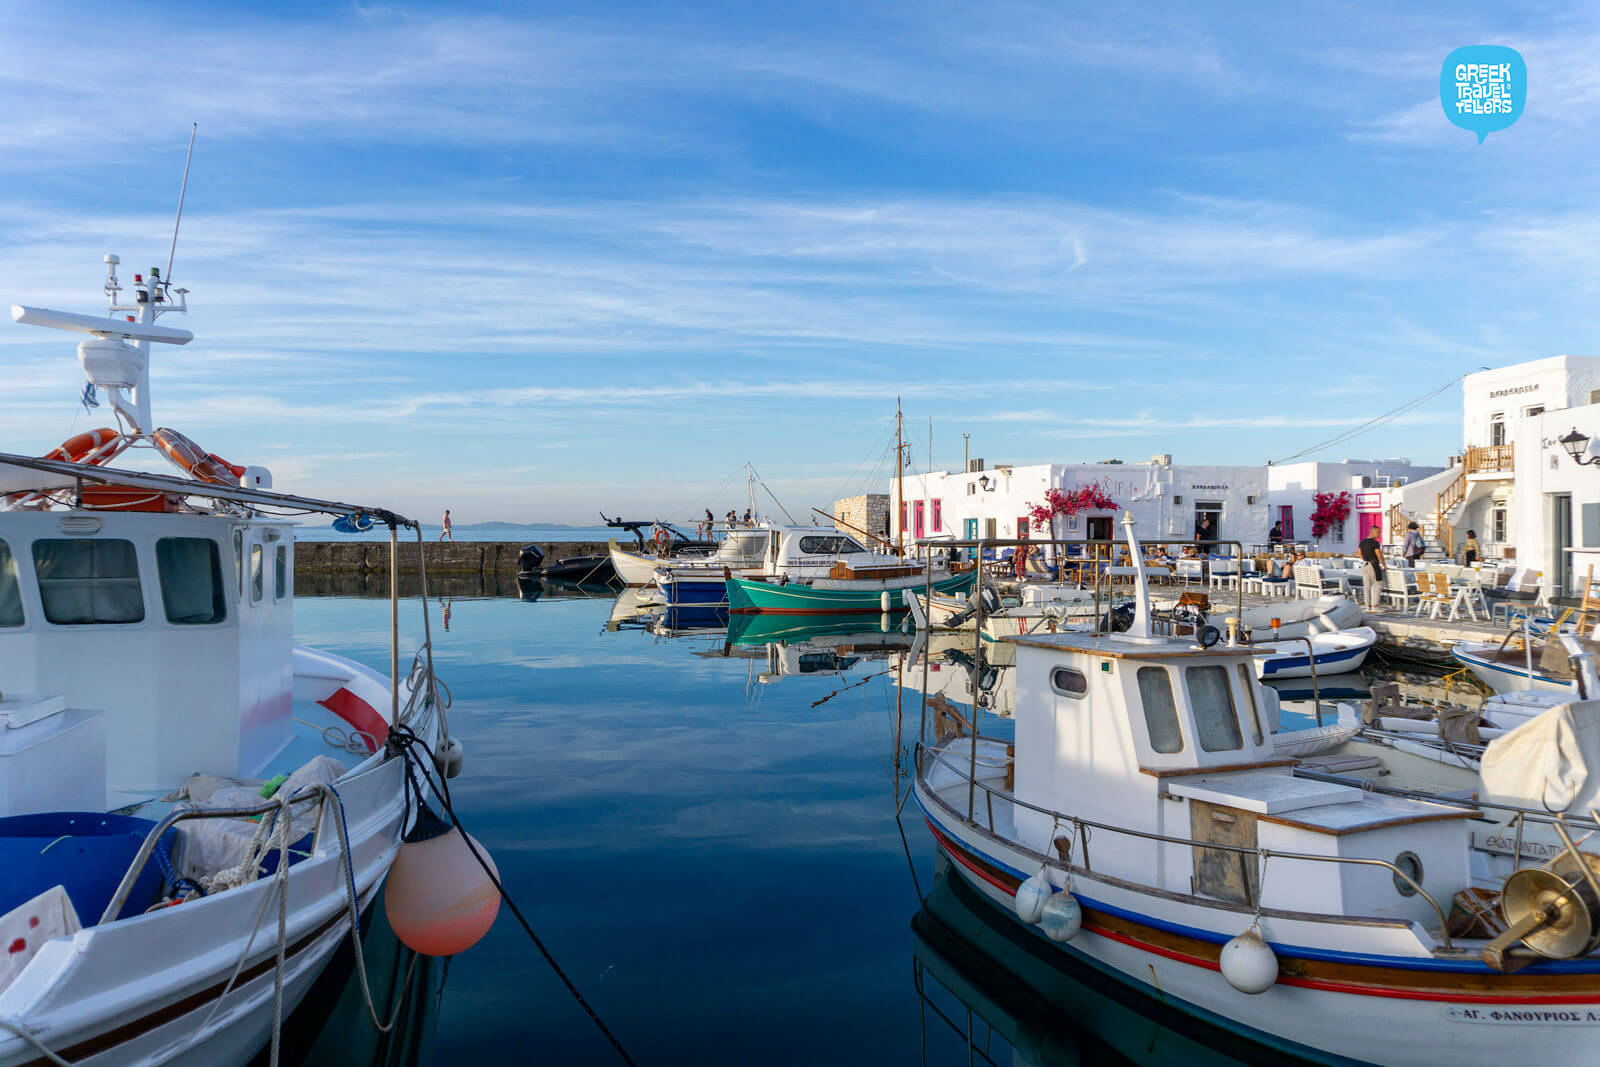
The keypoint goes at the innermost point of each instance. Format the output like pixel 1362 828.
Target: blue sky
pixel 529 261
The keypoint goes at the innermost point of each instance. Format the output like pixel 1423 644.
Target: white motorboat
pixel 1517 663
pixel 173 769
pixel 1141 820
pixel 1338 652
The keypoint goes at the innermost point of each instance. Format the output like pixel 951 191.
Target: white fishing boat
pixel 1141 820
pixel 193 810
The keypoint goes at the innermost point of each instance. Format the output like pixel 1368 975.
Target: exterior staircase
pixel 1452 490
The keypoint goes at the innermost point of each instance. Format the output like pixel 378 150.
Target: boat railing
pixel 1099 550
pixel 315 795
pixel 1081 828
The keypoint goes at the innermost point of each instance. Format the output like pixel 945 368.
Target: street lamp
pixel 1581 448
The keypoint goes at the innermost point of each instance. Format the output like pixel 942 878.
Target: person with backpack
pixel 1413 547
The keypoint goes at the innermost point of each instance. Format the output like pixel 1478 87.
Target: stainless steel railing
pixel 1080 825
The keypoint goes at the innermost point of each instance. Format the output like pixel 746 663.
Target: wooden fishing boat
pixel 171 764
pixel 834 596
pixel 1141 820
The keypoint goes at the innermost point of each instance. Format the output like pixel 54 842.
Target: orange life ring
pixel 79 449
pixel 92 447
pixel 662 539
pixel 196 461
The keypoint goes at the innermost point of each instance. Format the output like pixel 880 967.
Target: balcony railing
pixel 1487 459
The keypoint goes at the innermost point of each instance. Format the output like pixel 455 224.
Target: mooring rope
pixel 404 741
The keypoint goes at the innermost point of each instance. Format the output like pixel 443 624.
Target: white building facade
pixel 1168 501
pixel 1292 489
pixel 1513 485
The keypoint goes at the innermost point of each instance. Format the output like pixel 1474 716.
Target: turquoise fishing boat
pixel 747 596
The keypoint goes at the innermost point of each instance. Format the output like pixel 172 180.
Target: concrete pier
pixel 488 558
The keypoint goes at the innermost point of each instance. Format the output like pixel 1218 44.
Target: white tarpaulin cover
pixel 28 926
pixel 1548 762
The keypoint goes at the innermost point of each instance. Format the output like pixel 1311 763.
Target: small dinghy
pixel 1340 652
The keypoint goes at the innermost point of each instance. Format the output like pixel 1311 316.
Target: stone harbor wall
pixel 443 557
pixel 869 512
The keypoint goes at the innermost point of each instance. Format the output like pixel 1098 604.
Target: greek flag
pixel 88 399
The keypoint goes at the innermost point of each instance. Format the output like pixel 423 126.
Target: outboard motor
pixel 991 604
pixel 1118 619
pixel 530 559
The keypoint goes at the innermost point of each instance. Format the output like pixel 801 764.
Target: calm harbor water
pixel 704 835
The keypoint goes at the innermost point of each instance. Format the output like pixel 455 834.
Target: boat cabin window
pixel 191 580
pixel 280 576
pixel 1247 682
pixel 10 591
pixel 828 545
pixel 238 559
pixel 1160 710
pixel 1068 682
pixel 1216 722
pixel 83 581
pixel 256 577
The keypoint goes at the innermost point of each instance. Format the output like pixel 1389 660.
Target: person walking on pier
pixel 1371 571
pixel 446 534
pixel 1414 545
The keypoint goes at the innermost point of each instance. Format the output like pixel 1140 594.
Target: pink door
pixel 1286 516
pixel 916 518
pixel 1371 525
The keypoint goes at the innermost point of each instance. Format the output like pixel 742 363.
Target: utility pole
pixel 966 460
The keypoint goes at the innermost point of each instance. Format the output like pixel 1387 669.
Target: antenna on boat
pixel 182 191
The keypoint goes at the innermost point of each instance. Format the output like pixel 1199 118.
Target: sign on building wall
pixel 1369 501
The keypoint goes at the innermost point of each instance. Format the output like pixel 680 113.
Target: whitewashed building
pixel 1292 489
pixel 1513 483
pixel 1167 500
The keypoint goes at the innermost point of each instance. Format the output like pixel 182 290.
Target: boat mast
pixel 900 468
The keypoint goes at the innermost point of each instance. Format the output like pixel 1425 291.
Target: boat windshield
pixel 10 591
pixel 828 545
pixel 743 546
pixel 1216 722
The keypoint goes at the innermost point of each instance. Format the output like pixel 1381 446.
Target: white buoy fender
pixel 1062 917
pixel 885 602
pixel 1248 963
pixel 1032 894
pixel 448 758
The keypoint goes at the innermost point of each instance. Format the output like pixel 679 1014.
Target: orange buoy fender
pixel 194 460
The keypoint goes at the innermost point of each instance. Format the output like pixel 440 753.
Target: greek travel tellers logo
pixel 1483 87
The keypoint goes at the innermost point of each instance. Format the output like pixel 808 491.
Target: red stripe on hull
pixel 360 715
pixel 960 856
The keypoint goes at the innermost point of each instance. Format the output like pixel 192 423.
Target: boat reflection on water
pixel 534 588
pixel 961 674
pixel 332 1027
pixel 824 646
pixel 1002 994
